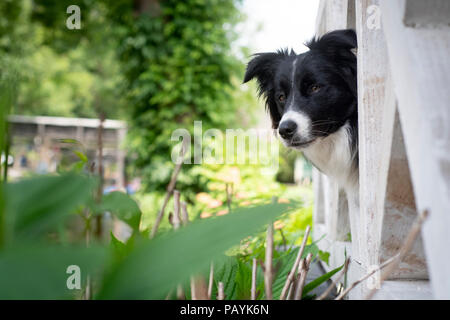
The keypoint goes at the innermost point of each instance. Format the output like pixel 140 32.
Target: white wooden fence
pixel 404 149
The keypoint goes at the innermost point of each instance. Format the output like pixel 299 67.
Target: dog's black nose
pixel 287 129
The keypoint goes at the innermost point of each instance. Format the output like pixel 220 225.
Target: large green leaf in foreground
pixel 156 266
pixel 35 205
pixel 39 271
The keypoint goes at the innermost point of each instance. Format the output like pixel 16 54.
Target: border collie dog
pixel 312 101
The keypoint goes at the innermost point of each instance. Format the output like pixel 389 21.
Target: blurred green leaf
pixel 324 256
pixel 155 266
pixel 70 141
pixel 81 156
pixel 118 246
pixel 37 204
pixel 39 271
pixel 123 206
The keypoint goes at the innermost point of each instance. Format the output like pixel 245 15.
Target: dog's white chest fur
pixel 333 156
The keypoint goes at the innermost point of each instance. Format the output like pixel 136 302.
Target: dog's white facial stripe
pixel 294 66
pixel 303 123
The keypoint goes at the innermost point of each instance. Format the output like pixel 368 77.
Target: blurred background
pixel 146 68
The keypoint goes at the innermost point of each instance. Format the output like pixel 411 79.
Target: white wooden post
pixel 332 223
pixel 420 67
pixel 404 155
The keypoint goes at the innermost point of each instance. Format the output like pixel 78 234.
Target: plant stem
pixel 366 276
pixel 406 247
pixel 220 291
pixel 335 282
pixel 6 153
pixel 268 270
pixel 176 210
pixel 99 217
pixel 211 280
pixel 199 291
pixel 229 192
pixel 303 272
pixel 393 261
pixel 184 213
pixel 2 218
pixel 253 290
pixel 291 274
pixel 170 188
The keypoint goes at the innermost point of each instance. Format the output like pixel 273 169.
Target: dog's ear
pixel 262 67
pixel 340 46
pixel 335 42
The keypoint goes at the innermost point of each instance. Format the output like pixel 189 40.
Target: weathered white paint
pixel 319 202
pixel 427 14
pixel 401 290
pixel 404 157
pixel 420 68
pixel 338 217
pixel 375 119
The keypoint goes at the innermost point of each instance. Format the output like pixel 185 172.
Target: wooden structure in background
pixel 44 135
pixel 404 147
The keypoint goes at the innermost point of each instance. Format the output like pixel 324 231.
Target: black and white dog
pixel 312 101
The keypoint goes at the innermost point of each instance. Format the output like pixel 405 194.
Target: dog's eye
pixel 281 98
pixel 314 88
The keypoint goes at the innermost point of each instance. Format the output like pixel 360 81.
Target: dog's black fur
pixel 320 84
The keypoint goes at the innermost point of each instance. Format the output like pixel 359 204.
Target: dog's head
pixel 310 95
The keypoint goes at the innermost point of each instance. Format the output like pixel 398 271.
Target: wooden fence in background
pixel 44 134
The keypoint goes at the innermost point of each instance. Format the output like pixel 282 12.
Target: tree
pixel 159 64
pixel 179 66
pixel 61 72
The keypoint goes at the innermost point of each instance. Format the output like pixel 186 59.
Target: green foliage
pixel 156 265
pixel 38 204
pixel 287 161
pixel 179 67
pixel 323 278
pixel 62 72
pixel 227 272
pixel 161 68
pixel 140 268
pixel 235 273
pixel 38 271
pixel 124 207
pixel 250 186
pixel 176 64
